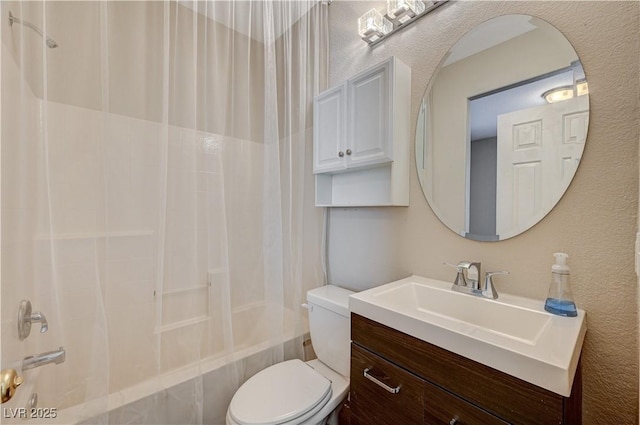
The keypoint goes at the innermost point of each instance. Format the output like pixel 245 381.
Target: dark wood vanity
pixel 426 384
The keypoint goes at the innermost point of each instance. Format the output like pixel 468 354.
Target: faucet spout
pixel 56 356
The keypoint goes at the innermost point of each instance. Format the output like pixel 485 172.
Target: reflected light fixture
pixel 373 27
pixel 558 94
pixel 582 87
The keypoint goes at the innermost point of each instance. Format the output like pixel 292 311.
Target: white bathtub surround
pixel 175 398
pixel 153 200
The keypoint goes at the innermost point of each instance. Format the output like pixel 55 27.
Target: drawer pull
pixel 376 381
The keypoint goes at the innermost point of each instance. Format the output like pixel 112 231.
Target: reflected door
pixel 538 152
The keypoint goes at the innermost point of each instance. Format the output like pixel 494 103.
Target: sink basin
pixel 508 320
pixel 511 334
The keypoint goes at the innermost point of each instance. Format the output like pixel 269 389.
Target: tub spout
pixel 56 356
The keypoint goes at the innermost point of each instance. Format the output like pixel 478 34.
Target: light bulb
pixel 372 25
pixel 404 10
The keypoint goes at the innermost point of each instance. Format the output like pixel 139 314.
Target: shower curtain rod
pixel 51 43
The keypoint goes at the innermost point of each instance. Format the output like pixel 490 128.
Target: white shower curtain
pixel 157 200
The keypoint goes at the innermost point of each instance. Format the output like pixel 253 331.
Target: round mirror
pixel 502 127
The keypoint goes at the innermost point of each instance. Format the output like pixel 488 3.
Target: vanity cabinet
pixel 437 387
pixel 361 138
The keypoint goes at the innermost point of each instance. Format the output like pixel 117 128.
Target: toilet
pixel 294 392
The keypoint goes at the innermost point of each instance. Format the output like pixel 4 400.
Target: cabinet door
pixel 371 403
pixel 370 139
pixel 329 130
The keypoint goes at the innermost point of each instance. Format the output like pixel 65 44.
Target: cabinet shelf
pixel 359 188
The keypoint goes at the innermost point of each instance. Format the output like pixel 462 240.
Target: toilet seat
pixel 285 393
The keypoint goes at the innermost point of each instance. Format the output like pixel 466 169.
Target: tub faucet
pixel 26 317
pixel 57 356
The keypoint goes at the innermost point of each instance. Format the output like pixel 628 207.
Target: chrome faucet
pixel 57 356
pixel 489 290
pixel 470 284
pixel 26 318
pixel 468 275
pixel 39 317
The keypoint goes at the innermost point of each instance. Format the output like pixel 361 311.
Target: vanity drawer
pixel 372 404
pixel 444 408
pixel 510 398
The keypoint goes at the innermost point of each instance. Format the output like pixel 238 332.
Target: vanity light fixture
pixel 403 11
pixel 558 94
pixel 373 27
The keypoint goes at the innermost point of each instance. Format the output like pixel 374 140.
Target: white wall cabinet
pixel 361 139
pixel 329 136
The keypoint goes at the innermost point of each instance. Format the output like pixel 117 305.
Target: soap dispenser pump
pixel 560 300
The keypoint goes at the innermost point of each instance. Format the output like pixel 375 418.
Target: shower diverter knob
pixel 26 317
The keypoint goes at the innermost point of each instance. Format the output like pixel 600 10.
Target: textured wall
pixel 594 222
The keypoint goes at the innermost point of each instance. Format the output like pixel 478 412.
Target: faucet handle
pixel 489 289
pixel 489 275
pixel 26 318
pixel 39 317
pixel 460 279
pixel 472 270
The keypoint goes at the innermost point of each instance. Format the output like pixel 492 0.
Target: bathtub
pixel 201 391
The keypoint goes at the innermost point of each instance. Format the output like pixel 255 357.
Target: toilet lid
pixel 279 393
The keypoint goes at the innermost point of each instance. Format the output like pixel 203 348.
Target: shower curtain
pixel 157 201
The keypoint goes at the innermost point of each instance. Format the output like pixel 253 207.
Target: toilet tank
pixel 330 326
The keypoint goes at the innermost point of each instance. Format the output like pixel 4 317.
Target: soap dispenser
pixel 560 300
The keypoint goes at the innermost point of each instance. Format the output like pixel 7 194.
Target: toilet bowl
pixel 298 393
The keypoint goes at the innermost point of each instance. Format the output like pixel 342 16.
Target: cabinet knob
pixel 340 154
pixel 348 151
pixel 453 421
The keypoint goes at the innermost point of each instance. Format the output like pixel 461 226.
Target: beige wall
pixel 594 222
